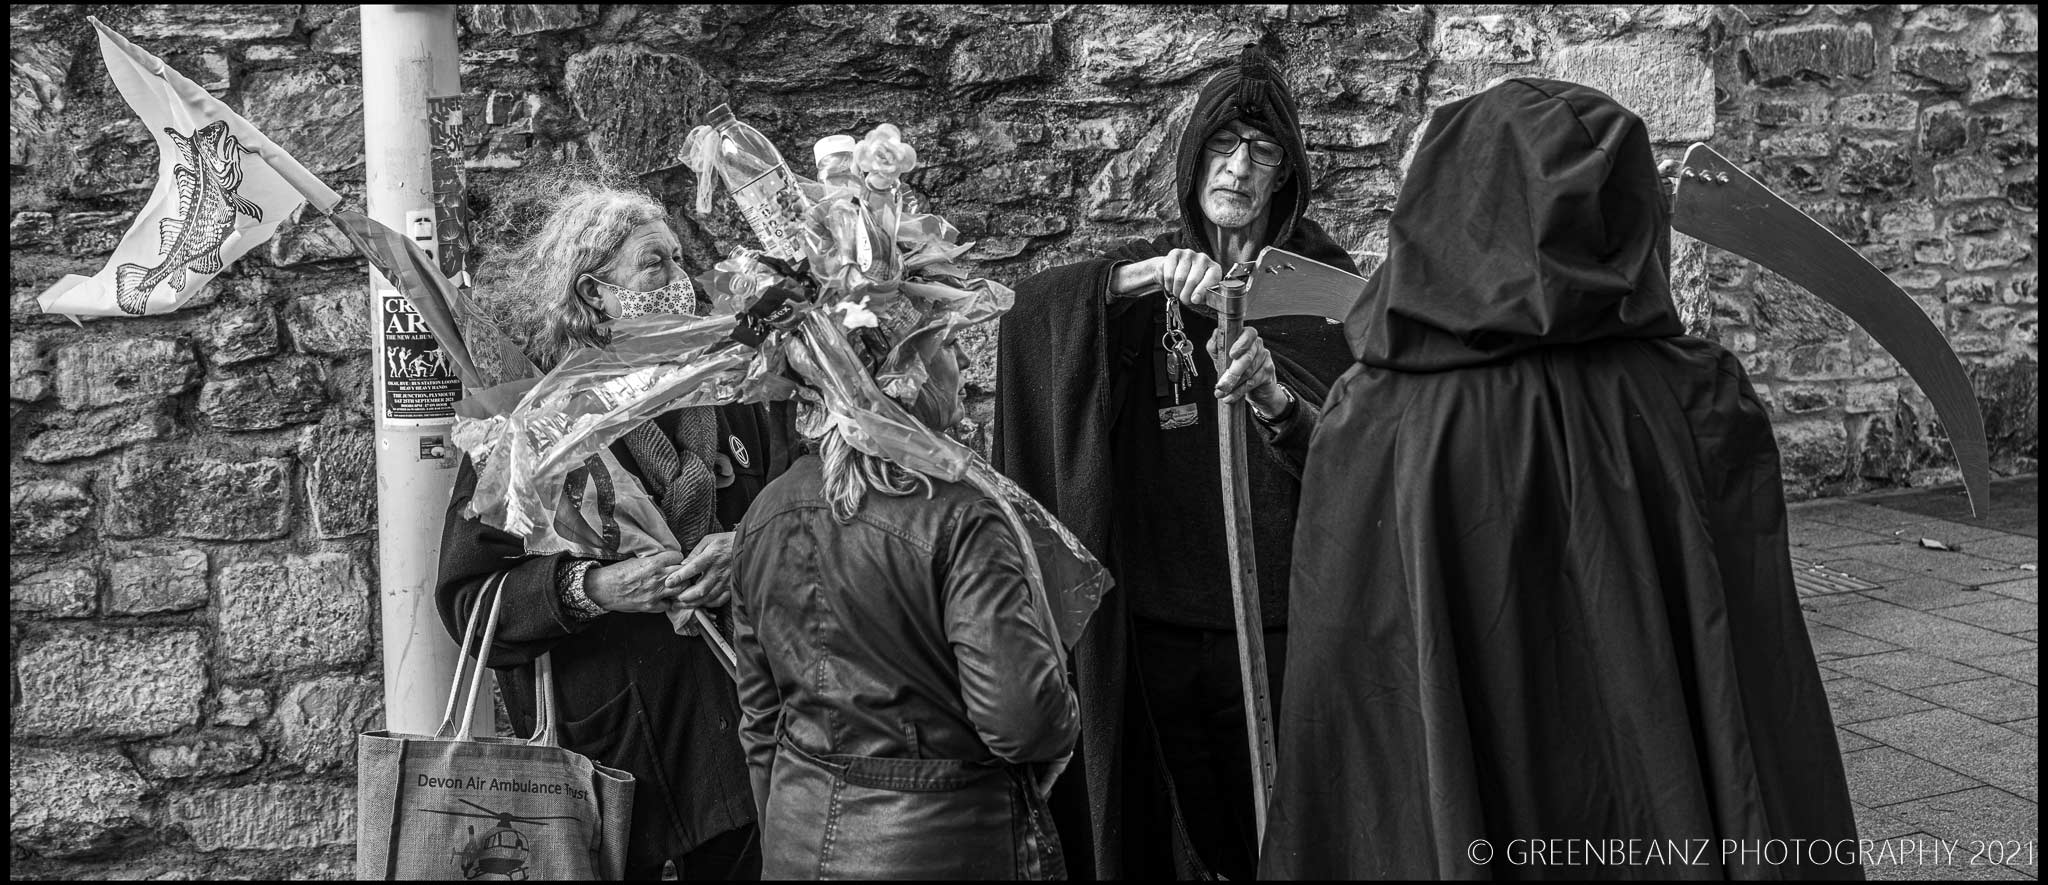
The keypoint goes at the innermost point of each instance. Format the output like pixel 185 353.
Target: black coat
pixel 1541 566
pixel 631 693
pixel 1058 371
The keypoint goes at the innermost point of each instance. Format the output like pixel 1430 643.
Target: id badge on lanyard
pixel 1173 372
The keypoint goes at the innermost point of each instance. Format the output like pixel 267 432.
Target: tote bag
pixel 453 806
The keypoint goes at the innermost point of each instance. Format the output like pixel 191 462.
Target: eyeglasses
pixel 1264 153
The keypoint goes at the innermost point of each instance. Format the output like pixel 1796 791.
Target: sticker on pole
pixel 420 386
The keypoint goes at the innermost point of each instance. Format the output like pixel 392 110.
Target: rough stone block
pixel 1782 56
pixel 1791 314
pixel 1137 52
pixel 1944 129
pixel 36 85
pixel 110 683
pixel 1775 112
pixel 57 593
pixel 1943 66
pixel 161 492
pixel 67 804
pixel 1966 179
pixel 308 241
pixel 2017 31
pixel 83 435
pixel 267 817
pixel 313 113
pixel 1963 290
pixel 211 753
pixel 319 721
pixel 1005 54
pixel 1670 85
pixel 330 322
pixel 93 374
pixel 1509 39
pixel 91 234
pixel 1812 451
pixel 2004 80
pixel 1136 185
pixel 165 583
pixel 632 99
pixel 28 371
pixel 1875 167
pixel 1799 145
pixel 1884 111
pixel 341 483
pixel 308 611
pixel 265 396
pixel 241 706
pixel 1978 253
pixel 243 335
pixel 523 19
pixel 340 35
pixel 224 23
pixel 42 513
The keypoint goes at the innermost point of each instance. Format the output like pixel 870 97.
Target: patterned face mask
pixel 678 297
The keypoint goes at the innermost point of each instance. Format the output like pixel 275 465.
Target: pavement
pixel 1925 622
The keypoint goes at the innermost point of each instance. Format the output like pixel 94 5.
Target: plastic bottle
pixel 834 154
pixel 760 182
pixel 845 237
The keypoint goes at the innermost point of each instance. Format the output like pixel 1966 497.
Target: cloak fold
pixel 1541 567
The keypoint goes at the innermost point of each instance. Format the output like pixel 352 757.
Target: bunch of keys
pixel 1180 353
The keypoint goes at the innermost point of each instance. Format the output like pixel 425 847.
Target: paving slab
pixel 1926 594
pixel 1853 700
pixel 2006 548
pixel 1814 535
pixel 1882 776
pixel 1832 643
pixel 1925 631
pixel 1989 753
pixel 1907 669
pixel 1850 742
pixel 1997 699
pixel 2023 665
pixel 2012 617
pixel 1993 827
pixel 1917 561
pixel 2028 589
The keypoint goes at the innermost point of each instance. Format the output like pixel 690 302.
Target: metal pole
pixel 409 56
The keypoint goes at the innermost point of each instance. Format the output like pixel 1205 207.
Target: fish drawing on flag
pixel 208 175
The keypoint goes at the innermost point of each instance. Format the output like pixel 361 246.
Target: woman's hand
pixel 1251 373
pixel 632 585
pixel 703 580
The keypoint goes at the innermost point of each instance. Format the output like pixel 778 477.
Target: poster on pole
pixel 452 246
pixel 417 382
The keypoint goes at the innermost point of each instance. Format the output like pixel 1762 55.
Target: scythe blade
pixel 1722 206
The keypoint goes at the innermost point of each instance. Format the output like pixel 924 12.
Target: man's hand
pixel 632 585
pixel 703 580
pixel 1185 274
pixel 1251 372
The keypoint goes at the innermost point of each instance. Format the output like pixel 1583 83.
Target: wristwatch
pixel 1273 418
pixel 579 602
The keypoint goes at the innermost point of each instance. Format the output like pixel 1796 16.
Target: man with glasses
pixel 1105 413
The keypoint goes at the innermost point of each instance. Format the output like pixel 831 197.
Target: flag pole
pixel 409 56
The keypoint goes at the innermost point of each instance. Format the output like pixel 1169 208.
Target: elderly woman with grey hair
pixel 631 693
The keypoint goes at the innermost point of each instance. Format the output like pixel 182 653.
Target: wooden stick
pixel 1244 573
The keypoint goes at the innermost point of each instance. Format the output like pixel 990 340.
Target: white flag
pixel 222 189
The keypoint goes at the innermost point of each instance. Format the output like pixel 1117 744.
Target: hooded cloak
pixel 1541 565
pixel 1075 380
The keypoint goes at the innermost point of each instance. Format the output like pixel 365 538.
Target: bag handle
pixel 544 715
pixel 493 592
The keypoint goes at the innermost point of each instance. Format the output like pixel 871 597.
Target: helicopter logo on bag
pixel 499 852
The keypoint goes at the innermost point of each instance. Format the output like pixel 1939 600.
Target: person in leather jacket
pixel 904 703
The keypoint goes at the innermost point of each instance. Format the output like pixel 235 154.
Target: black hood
pixel 1532 216
pixel 1252 91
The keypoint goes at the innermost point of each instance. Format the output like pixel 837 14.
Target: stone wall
pixel 192 563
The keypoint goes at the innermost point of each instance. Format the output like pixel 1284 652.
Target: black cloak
pixel 1058 371
pixel 1540 566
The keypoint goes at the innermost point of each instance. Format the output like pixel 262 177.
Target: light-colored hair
pixel 581 233
pixel 851 473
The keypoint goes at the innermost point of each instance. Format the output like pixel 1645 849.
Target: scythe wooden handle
pixel 1244 572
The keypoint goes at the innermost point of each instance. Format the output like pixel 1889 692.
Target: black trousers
pixel 1193 688
pixel 734 855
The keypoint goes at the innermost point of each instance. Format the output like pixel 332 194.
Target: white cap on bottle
pixel 833 144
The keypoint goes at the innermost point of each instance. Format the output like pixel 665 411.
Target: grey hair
pixel 582 233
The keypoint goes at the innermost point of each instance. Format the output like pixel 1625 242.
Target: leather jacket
pixel 897 681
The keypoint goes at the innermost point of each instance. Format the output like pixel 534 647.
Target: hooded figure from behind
pixel 1541 558
pixel 1089 421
